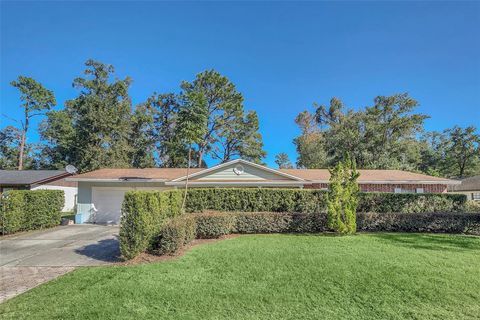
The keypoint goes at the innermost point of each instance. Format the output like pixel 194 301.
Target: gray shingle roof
pixel 27 177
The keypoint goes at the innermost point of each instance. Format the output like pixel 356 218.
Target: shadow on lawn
pixel 107 250
pixel 442 242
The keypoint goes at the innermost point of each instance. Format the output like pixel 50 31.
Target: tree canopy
pixel 386 135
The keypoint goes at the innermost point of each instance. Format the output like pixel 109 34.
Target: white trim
pixel 240 161
pixel 239 183
pixel 115 180
pixel 446 182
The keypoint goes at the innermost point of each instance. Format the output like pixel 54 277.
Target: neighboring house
pixel 469 186
pixel 101 192
pixel 40 179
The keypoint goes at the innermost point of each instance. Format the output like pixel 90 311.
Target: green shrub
pixel 174 234
pixel 22 210
pixel 419 222
pixel 273 222
pixel 309 200
pixel 262 222
pixel 342 198
pixel 471 206
pixel 410 202
pixel 214 225
pixel 255 200
pixel 143 215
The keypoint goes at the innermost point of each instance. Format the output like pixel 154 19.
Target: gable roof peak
pixel 239 160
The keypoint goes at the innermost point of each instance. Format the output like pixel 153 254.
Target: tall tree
pixel 454 153
pixel 58 133
pixel 36 100
pixel 142 139
pixel 240 139
pixel 282 161
pixel 98 123
pixel 382 136
pixel 10 138
pixel 310 144
pixel 217 98
pixel 171 149
pixel 463 150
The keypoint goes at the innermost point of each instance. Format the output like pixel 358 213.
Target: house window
pixel 420 190
pixel 397 190
pixel 476 196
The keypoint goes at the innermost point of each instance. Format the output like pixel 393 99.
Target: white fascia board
pixel 446 182
pixel 237 183
pixel 219 166
pixel 114 180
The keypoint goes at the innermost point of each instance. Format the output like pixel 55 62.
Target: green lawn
pixel 367 276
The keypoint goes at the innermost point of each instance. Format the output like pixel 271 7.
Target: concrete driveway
pixel 75 245
pixel 30 259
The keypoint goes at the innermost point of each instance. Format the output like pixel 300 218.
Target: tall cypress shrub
pixel 342 198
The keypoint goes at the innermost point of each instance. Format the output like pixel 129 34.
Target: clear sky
pixel 282 56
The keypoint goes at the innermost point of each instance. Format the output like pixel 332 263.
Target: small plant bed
pixel 278 276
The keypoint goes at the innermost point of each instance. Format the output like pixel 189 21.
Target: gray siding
pixel 250 173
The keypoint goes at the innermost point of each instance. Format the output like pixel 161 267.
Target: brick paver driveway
pixel 30 259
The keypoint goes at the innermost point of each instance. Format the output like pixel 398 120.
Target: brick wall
pixel 427 188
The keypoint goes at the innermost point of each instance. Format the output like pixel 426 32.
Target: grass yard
pixel 366 276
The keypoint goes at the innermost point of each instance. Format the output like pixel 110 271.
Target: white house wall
pixel 70 195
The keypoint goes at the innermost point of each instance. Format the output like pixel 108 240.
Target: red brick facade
pixel 427 188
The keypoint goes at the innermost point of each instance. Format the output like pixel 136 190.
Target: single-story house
pixel 101 192
pixel 468 186
pixel 40 179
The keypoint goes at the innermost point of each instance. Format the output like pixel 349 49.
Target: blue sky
pixel 283 56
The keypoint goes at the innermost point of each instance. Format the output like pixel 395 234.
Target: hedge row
pixel 305 201
pixel 144 213
pixel 22 210
pixel 143 216
pixel 182 230
pixel 255 199
pixel 468 223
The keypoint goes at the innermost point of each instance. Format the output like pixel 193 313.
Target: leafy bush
pixel 273 222
pixel 22 210
pixel 342 199
pixel 410 202
pixel 471 206
pixel 255 200
pixel 309 200
pixel 175 233
pixel 262 222
pixel 143 215
pixel 419 222
pixel 214 225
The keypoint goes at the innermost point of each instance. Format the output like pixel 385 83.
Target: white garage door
pixel 108 202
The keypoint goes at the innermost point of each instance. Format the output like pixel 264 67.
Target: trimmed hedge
pixel 308 200
pixel 255 200
pixel 410 202
pixel 273 222
pixel 174 234
pixel 468 223
pixel 214 225
pixel 23 210
pixel 181 230
pixel 143 215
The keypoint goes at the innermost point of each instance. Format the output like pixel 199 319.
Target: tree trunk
pixel 22 144
pixel 200 156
